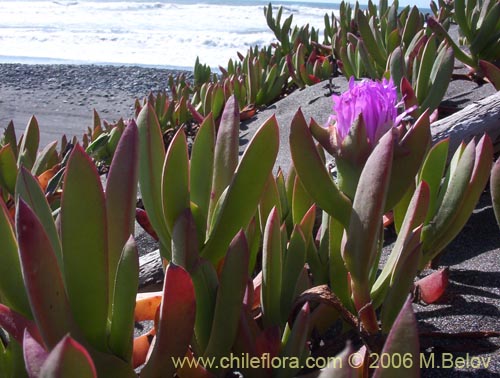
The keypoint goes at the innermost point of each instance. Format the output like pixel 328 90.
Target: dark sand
pixel 62 97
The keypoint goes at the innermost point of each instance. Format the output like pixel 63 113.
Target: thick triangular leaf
pixel 34 355
pixel 42 278
pixel 121 197
pixel 67 358
pixel 245 191
pixel 12 289
pixel 176 323
pixel 85 248
pixel 313 174
pixel 123 305
pixel 229 302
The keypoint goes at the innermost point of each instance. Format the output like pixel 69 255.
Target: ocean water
pixel 156 33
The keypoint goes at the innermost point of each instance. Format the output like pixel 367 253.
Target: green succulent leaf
pixel 151 158
pixel 85 247
pixel 176 323
pixel 202 165
pixel 245 190
pixel 205 283
pixel 293 263
pixel 313 174
pixel 8 169
pixel 46 159
pixel 272 271
pixel 226 151
pixel 229 302
pixel 368 208
pixel 29 144
pixel 121 197
pixel 123 305
pixel 175 184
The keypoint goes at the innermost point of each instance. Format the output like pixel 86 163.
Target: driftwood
pixel 150 272
pixel 474 120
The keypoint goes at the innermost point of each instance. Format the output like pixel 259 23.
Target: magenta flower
pixel 376 101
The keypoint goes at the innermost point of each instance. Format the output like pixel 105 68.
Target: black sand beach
pixel 62 97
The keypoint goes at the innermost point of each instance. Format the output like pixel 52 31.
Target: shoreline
pixel 63 97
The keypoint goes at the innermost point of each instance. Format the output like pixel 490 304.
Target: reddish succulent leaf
pixel 42 278
pixel 15 324
pixel 121 196
pixel 433 286
pixel 491 72
pixel 403 341
pixel 12 286
pixel 268 341
pixel 34 355
pixel 67 358
pixel 175 329
pixel 142 218
pixel 198 371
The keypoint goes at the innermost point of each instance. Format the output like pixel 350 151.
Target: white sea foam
pixel 157 33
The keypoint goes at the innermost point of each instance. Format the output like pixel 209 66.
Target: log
pixel 150 272
pixel 474 120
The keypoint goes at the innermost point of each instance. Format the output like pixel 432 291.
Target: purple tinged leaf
pixel 226 151
pixel 402 277
pixel 15 324
pixel 491 72
pixel 28 188
pixel 409 154
pixel 415 216
pixel 176 323
pixel 402 340
pixel 34 355
pixel 66 358
pixel 313 174
pixel 366 219
pixel 12 288
pixel 295 346
pixel 85 246
pixel 185 247
pixel 42 278
pixel 121 196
